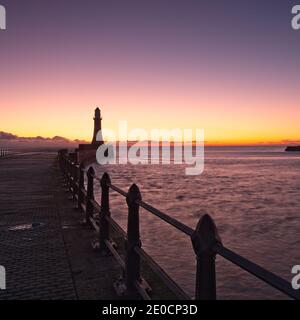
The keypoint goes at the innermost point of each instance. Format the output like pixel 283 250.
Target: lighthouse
pixel 97 127
pixel 86 152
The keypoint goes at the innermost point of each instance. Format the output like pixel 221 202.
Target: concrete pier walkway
pixel 45 250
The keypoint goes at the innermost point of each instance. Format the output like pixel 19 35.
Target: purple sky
pixel 221 61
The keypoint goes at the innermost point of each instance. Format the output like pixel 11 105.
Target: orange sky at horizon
pixel 224 118
pixel 238 80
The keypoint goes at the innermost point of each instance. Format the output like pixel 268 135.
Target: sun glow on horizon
pixel 152 70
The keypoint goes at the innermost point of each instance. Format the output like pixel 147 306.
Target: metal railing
pixel 205 238
pixel 3 153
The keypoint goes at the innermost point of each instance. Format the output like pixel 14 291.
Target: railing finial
pixel 91 172
pixel 206 235
pixel 105 180
pixel 204 239
pixel 133 194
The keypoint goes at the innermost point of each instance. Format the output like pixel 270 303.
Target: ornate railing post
pixel 61 157
pixel 105 212
pixel 61 162
pixel 71 160
pixel 80 186
pixel 132 261
pixel 204 239
pixel 75 179
pixel 68 174
pixel 90 195
pixel 71 178
pixel 66 170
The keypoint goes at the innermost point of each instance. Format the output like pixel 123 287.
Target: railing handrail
pixel 263 274
pixel 205 227
pixel 173 222
pixel 245 264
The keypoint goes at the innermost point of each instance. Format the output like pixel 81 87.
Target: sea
pixel 253 195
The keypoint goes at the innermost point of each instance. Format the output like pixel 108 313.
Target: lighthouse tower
pixel 86 152
pixel 97 127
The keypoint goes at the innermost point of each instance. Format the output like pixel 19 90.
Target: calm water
pixel 252 193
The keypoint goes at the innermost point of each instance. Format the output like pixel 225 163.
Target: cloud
pixel 6 136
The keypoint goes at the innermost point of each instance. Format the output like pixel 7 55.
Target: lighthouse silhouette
pixel 97 128
pixel 86 152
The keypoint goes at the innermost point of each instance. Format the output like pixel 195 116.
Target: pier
pixel 44 245
pixel 57 241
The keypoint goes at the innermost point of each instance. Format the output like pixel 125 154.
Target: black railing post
pixel 90 195
pixel 105 212
pixel 63 164
pixel 66 169
pixel 75 179
pixel 62 156
pixel 68 174
pixel 80 186
pixel 71 178
pixel 73 162
pixel 132 261
pixel 204 239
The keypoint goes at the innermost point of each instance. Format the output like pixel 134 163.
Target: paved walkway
pixel 45 250
pixel 32 247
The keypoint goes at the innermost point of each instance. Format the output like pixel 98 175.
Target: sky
pixel 230 67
